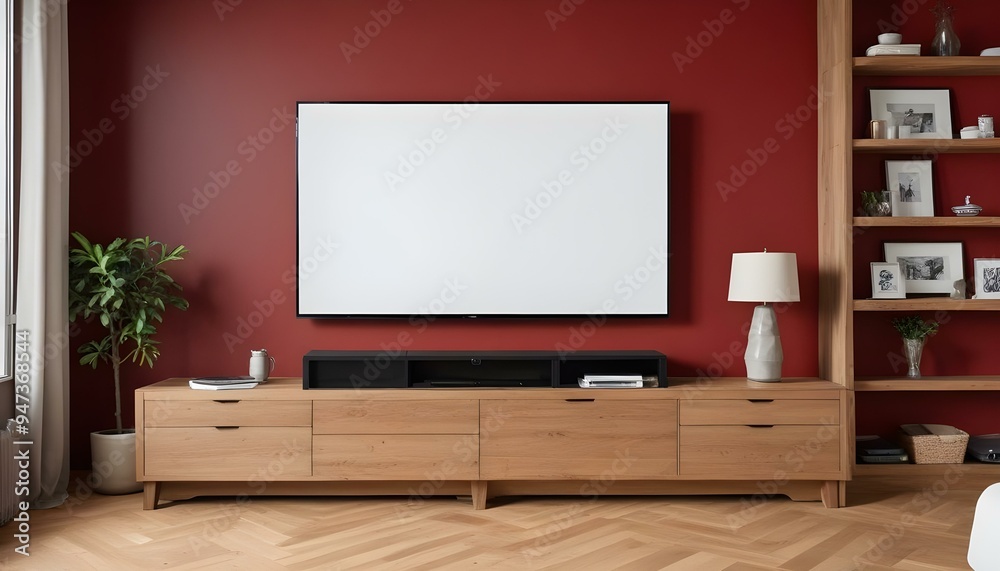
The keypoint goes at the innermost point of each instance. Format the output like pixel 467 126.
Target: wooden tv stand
pixel 698 436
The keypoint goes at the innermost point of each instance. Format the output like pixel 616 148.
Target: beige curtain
pixel 43 237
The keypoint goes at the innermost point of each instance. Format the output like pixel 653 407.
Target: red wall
pixel 749 84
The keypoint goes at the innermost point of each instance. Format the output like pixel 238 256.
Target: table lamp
pixel 764 277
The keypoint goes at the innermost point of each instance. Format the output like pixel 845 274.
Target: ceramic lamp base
pixel 764 356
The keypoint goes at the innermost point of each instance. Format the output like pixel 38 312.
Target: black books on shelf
pixel 877 450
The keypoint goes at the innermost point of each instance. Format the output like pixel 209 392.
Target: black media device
pixel 469 369
pixel 873 449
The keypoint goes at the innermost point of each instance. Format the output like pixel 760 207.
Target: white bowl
pixel 890 39
pixel 990 52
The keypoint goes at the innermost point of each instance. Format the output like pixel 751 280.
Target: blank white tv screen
pixel 482 209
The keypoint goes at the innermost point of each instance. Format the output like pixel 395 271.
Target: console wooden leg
pixel 479 494
pixel 830 493
pixel 150 495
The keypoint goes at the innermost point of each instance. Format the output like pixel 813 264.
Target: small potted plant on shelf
pixel 915 332
pixel 876 203
pixel 124 285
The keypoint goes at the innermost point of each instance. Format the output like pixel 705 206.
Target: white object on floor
pixel 985 531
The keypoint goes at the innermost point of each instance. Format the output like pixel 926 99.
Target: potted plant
pixel 915 332
pixel 876 203
pixel 124 285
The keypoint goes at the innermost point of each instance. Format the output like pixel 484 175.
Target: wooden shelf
pixel 925 221
pixel 925 146
pixel 956 383
pixel 927 304
pixel 927 65
pixel 968 468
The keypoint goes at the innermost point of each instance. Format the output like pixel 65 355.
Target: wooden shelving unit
pixel 889 470
pixel 929 147
pixel 927 304
pixel 928 221
pixel 926 65
pixel 838 68
pixel 961 383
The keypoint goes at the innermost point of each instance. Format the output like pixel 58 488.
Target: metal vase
pixel 913 349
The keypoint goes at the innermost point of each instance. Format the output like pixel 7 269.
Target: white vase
pixel 113 462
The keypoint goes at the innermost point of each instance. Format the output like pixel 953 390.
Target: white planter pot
pixel 112 458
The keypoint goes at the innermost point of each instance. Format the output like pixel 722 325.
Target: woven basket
pixel 934 443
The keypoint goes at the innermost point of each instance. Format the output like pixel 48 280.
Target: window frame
pixel 8 222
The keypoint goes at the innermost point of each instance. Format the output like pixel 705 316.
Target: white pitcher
pixel 261 365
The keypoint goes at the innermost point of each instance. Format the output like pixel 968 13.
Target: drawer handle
pixel 227 427
pixel 225 401
pixel 760 425
pixel 579 400
pixel 760 400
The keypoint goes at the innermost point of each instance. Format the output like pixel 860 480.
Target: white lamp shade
pixel 764 277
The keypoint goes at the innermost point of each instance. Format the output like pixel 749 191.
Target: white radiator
pixel 8 474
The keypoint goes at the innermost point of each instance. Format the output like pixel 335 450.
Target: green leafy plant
pixel 914 327
pixel 125 286
pixel 869 199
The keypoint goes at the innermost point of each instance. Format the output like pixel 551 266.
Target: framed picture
pixel 927 112
pixel 911 187
pixel 887 282
pixel 927 267
pixel 987 278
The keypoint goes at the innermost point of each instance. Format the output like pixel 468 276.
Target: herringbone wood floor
pixel 922 527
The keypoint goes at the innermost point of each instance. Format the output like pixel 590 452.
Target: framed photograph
pixel 887 282
pixel 927 112
pixel 987 278
pixel 927 267
pixel 911 187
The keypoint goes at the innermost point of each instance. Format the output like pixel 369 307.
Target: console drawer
pixel 431 457
pixel 222 412
pixel 758 411
pixel 227 453
pixel 396 417
pixel 578 439
pixel 773 452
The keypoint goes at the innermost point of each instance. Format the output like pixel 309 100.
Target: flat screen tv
pixel 470 209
